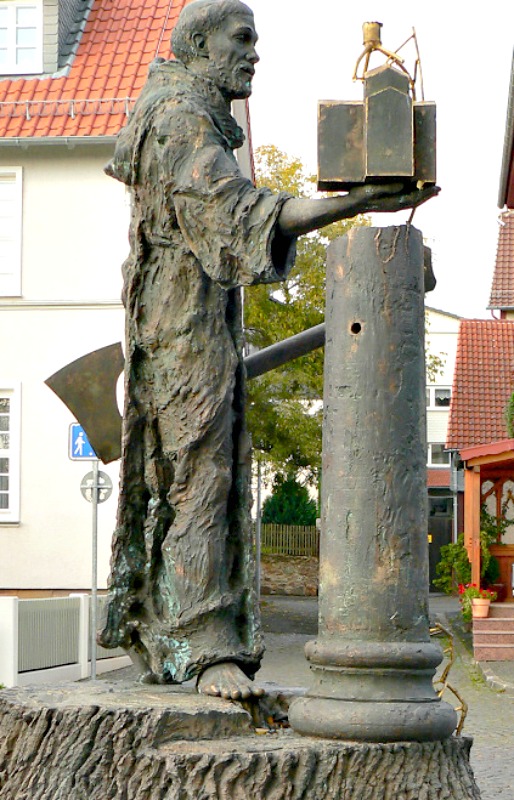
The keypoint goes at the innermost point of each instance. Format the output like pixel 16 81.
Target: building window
pixel 439 397
pixel 9 455
pixel 21 37
pixel 440 506
pixel 438 456
pixel 10 231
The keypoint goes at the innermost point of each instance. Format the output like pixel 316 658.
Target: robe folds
pixel 182 587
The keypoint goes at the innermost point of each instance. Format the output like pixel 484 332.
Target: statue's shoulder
pixel 171 95
pixel 174 105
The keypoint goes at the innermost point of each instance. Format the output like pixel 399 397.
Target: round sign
pixel 104 487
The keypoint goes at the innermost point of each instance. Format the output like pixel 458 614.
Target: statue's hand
pixel 390 197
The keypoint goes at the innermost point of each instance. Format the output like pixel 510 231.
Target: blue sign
pixel 79 447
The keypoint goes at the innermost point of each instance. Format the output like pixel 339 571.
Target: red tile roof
pixel 438 478
pixel 483 381
pixel 502 291
pixel 119 41
pixel 493 449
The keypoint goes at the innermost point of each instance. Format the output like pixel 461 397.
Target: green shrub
pixel 454 567
pixel 289 503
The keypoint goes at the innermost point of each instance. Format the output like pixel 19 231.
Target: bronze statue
pixel 182 597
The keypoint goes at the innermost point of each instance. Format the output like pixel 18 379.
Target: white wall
pixel 74 241
pixel 441 341
pixel 75 232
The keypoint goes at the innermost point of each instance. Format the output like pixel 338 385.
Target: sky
pixel 308 51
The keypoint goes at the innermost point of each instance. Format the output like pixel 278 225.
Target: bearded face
pixel 232 56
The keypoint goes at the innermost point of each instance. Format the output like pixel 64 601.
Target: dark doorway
pixel 440 518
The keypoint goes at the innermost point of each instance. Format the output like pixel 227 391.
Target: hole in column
pixel 355 327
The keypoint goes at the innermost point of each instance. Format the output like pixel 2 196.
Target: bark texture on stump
pixel 106 742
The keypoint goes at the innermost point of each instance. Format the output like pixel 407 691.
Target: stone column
pixel 373 661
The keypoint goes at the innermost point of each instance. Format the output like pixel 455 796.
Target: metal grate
pixel 48 633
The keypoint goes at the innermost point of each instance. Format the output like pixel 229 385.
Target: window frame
pixel 36 65
pixel 431 392
pixel 430 462
pixel 10 282
pixel 12 514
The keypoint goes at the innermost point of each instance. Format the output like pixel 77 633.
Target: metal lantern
pixel 388 136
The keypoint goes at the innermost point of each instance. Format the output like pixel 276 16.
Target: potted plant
pixel 454 568
pixel 474 601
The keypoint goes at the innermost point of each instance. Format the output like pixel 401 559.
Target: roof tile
pixel 483 382
pixel 502 291
pixel 438 478
pixel 112 59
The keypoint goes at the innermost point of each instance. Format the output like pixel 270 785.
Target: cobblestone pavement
pixel 490 721
pixel 290 622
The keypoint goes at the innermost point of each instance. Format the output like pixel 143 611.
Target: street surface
pixel 290 622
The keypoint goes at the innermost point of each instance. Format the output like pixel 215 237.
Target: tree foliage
pixel 454 568
pixel 284 405
pixel 284 409
pixel 434 362
pixel 289 503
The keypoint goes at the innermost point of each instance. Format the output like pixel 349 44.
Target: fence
pixel 290 540
pixel 42 641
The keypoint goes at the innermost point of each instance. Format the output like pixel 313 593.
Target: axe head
pixel 87 387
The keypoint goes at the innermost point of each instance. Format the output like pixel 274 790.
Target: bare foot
pixel 228 681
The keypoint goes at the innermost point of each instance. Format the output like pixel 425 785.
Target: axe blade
pixel 87 387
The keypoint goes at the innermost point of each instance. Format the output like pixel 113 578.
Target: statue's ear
pixel 200 44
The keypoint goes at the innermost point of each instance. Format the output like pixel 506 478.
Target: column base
pixel 362 721
pixel 373 692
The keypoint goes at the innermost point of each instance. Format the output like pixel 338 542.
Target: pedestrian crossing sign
pixel 79 446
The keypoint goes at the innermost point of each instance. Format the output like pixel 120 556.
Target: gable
pixel 483 383
pixel 502 290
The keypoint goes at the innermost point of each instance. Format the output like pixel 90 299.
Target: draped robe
pixel 181 591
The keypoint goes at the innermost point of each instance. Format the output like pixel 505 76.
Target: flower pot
pixel 480 607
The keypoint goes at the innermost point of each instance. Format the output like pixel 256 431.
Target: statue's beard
pixel 234 83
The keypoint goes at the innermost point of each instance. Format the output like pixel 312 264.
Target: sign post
pixel 96 487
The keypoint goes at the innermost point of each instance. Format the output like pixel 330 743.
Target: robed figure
pixel 182 590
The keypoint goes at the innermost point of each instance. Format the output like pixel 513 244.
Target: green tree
pixel 434 361
pixel 284 405
pixel 284 408
pixel 289 503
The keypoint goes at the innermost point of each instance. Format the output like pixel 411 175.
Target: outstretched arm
pixel 300 216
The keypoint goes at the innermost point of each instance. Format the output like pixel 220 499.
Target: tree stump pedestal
pixel 93 741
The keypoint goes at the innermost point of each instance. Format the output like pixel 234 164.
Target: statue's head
pixel 216 38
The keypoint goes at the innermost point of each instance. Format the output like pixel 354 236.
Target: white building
pixel 68 71
pixel 441 342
